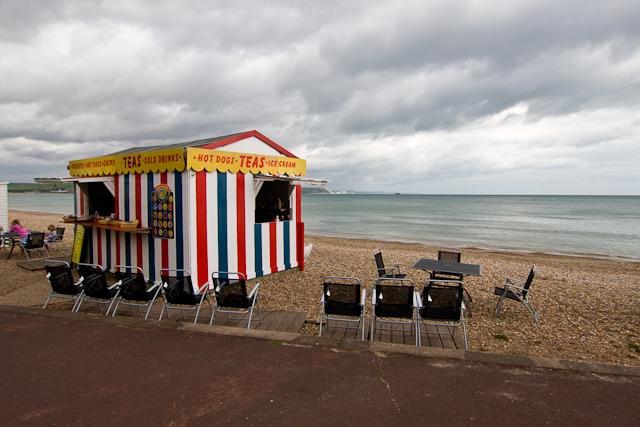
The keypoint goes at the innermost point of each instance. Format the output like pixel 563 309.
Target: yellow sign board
pixel 197 159
pixel 77 244
pixel 149 161
pixel 200 159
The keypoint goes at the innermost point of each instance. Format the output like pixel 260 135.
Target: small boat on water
pixel 57 190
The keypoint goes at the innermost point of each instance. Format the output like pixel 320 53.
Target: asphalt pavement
pixel 62 368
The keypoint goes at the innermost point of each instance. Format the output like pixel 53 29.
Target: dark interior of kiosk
pixel 100 198
pixel 272 201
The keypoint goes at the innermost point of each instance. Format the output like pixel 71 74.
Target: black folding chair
pixel 387 270
pixel 96 289
pixel 393 302
pixel 342 301
pixel 449 255
pixel 35 243
pixel 230 289
pixel 440 306
pixel 517 290
pixel 59 237
pixel 133 289
pixel 62 283
pixel 178 293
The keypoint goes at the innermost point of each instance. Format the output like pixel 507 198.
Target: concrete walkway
pixel 62 368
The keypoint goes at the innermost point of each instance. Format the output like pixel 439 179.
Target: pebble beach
pixel 588 306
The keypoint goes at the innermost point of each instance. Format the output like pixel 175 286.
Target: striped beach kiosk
pixel 230 203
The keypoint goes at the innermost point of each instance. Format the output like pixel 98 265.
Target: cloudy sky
pixel 465 97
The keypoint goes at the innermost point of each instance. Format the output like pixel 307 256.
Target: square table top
pixel 448 267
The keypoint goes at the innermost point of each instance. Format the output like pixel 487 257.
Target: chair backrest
pixel 380 263
pixel 394 298
pixel 60 277
pixel 60 232
pixel 95 282
pixel 449 255
pixel 133 287
pixel 177 287
pixel 442 302
pixel 36 241
pixel 230 289
pixel 342 296
pixel 527 284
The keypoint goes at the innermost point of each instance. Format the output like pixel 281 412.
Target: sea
pixel 607 226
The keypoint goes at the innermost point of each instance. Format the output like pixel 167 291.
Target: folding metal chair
pixel 178 293
pixel 440 306
pixel 62 283
pixel 230 289
pixel 392 298
pixel 59 238
pixel 520 293
pixel 342 301
pixel 133 289
pixel 387 270
pixel 96 289
pixel 35 243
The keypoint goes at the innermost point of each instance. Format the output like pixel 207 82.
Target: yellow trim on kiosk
pixel 200 159
pixel 150 161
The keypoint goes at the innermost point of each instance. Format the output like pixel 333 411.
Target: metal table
pixel 448 267
pixel 10 239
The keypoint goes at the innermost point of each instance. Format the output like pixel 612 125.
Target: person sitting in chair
pixel 18 228
pixel 51 235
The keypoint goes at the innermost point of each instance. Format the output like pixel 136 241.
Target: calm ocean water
pixel 42 202
pixel 600 225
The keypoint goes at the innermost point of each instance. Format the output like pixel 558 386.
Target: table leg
pixel 13 245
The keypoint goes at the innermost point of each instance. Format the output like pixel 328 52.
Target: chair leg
pixel 464 331
pixel 499 303
pixel 259 313
pixel 532 312
pixel 466 303
pixel 47 301
pixel 110 305
pixel 256 303
pixel 250 317
pixel 78 300
pixel 373 322
pixel 197 312
pixel 148 310
pixel 212 310
pixel 116 308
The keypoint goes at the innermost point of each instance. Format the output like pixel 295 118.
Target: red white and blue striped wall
pixel 215 230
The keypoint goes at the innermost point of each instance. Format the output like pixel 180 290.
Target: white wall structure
pixel 4 206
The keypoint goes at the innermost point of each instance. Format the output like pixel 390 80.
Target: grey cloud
pixel 331 80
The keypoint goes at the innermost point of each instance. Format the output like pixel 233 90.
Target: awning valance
pixel 224 161
pixel 149 161
pixel 178 159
